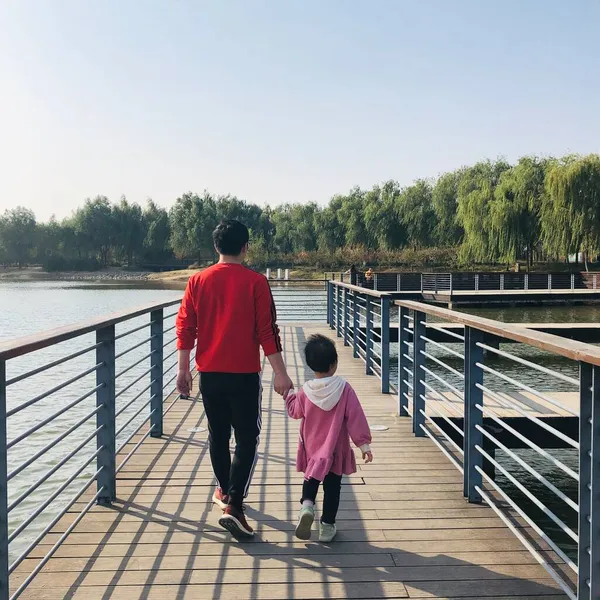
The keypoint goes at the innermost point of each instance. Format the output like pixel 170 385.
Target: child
pixel 331 414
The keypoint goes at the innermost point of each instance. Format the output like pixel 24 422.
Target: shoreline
pixel 119 275
pixel 33 274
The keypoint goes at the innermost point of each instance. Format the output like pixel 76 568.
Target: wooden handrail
pixel 37 341
pixel 579 351
pixel 362 290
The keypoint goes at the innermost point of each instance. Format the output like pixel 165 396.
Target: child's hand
pixel 367 457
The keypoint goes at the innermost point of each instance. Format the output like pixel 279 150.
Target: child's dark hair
pixel 320 353
pixel 230 237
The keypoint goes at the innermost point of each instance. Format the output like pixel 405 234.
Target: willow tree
pixel 570 214
pixel 445 199
pixel 416 213
pixel 381 217
pixel 515 209
pixel 476 190
pixel 351 215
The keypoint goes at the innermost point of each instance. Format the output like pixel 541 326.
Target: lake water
pixel 29 307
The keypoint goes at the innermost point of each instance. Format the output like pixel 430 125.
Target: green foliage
pixel 488 213
pixel 444 196
pixel 415 210
pixel 17 236
pixel 476 188
pixel 570 211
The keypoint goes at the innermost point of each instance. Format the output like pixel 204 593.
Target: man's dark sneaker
pixel 220 499
pixel 234 521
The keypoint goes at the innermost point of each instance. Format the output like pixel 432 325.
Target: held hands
pixel 283 384
pixel 367 457
pixel 184 382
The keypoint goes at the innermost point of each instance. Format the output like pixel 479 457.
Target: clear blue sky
pixel 283 100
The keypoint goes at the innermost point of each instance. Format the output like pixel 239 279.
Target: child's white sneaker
pixel 305 521
pixel 327 533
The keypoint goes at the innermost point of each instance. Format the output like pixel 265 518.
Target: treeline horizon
pixel 538 209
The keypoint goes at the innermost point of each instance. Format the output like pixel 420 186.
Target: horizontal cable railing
pixel 100 389
pixel 300 301
pixel 523 427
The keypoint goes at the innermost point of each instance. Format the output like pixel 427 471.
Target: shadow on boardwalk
pixel 166 554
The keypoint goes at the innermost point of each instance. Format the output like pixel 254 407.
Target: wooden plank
pixel 257 575
pixel 283 591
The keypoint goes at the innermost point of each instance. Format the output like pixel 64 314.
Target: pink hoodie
pixel 331 414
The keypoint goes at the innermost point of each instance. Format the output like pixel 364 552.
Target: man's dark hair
pixel 230 237
pixel 320 353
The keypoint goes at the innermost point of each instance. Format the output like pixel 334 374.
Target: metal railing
pixel 300 300
pixel 79 401
pixel 434 283
pixel 522 427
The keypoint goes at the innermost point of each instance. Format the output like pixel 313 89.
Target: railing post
pixel 595 281
pixel 368 335
pixel 477 282
pixel 105 418
pixel 398 282
pixel 572 281
pixel 4 590
pixel 355 325
pixel 549 281
pixel 402 362
pixel 375 281
pixel 330 304
pixel 338 311
pixel 450 283
pixel 346 318
pixel 385 345
pixel 473 417
pixel 156 375
pixel 501 281
pixel 526 282
pixel 588 582
pixel 419 330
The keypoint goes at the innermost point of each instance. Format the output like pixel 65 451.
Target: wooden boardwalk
pixel 405 529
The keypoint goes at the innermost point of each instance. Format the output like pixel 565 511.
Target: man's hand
pixel 184 382
pixel 367 457
pixel 282 383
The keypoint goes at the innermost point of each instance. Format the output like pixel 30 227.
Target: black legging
pixel 332 486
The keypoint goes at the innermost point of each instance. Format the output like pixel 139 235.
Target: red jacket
pixel 228 312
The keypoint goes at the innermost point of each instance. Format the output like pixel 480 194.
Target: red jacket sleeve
pixel 266 318
pixel 187 320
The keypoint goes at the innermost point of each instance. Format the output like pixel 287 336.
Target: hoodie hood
pixel 325 393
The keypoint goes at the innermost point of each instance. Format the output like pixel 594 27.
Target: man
pixel 228 312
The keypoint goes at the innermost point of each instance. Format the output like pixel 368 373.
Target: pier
pixel 435 516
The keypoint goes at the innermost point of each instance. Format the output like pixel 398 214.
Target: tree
pixel 158 232
pixel 329 231
pixel 49 238
pixel 515 209
pixel 444 196
pixel 415 209
pixel 95 224
pixel 130 230
pixel 18 229
pixel 475 194
pixel 193 219
pixel 283 229
pixel 351 216
pixel 570 211
pixel 381 217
